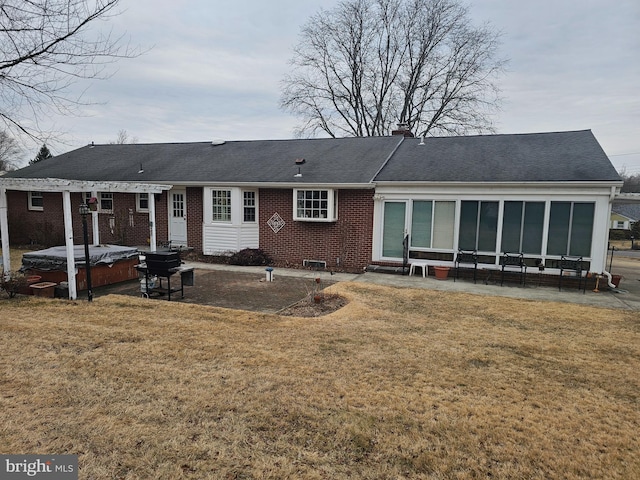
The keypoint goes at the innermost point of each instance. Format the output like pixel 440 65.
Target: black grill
pixel 161 263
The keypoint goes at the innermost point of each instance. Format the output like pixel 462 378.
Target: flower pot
pixel 317 298
pixel 26 289
pixel 441 272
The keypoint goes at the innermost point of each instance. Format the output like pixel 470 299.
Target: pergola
pixel 66 187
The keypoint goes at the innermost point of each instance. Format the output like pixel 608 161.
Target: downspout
pixel 610 284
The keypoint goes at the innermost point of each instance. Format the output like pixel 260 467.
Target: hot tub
pixel 109 264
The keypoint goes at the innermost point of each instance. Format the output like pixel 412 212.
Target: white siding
pixel 221 238
pixel 225 237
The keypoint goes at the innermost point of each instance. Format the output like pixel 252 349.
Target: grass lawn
pixel 400 383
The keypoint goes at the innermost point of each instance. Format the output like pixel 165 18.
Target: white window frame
pixel 139 198
pixel 217 209
pixel 36 195
pixel 252 205
pixel 308 211
pixel 105 197
pixel 88 195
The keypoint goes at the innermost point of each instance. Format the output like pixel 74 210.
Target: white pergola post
pixel 153 240
pixel 4 232
pixel 95 224
pixel 68 235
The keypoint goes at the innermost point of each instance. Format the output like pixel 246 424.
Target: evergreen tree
pixel 43 154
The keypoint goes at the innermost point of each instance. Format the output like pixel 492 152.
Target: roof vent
pixel 300 161
pixel 218 141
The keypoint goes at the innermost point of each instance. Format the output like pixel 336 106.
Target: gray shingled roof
pixel 629 210
pixel 334 161
pixel 537 157
pixel 540 157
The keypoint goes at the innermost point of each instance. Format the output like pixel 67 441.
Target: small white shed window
pixel 315 205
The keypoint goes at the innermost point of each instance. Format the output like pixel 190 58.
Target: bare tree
pixel 123 137
pixel 368 64
pixel 46 45
pixel 9 152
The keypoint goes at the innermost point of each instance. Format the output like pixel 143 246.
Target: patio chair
pixel 572 264
pixel 513 262
pixel 467 257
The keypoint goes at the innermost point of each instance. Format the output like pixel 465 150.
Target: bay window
pixel 221 205
pixel 315 205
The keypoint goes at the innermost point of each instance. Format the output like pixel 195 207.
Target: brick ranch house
pixel 347 203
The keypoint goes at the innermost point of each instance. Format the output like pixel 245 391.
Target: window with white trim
pixel 523 227
pixel 221 205
pixel 478 225
pixel 571 228
pixel 249 206
pixel 315 205
pixel 142 202
pixel 106 202
pixel 36 201
pixel 432 224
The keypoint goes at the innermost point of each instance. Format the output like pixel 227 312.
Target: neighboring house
pixel 343 203
pixel 624 216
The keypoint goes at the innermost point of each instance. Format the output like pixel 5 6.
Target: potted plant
pixel 441 272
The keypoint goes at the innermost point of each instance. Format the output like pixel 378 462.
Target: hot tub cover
pixel 55 258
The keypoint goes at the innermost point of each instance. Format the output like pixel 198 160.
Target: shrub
pixel 250 257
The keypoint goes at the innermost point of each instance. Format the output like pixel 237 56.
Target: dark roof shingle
pixel 536 157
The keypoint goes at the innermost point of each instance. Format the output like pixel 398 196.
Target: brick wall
pixel 194 217
pixel 344 244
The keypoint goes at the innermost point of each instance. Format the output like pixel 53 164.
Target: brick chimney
pixel 403 129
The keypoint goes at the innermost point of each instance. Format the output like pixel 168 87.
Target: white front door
pixel 178 216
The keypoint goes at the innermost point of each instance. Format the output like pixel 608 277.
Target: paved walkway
pixel 627 297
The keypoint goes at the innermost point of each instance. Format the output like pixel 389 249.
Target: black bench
pixel 513 262
pixel 572 264
pixel 467 257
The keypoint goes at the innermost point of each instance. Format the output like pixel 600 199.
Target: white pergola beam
pixel 74 186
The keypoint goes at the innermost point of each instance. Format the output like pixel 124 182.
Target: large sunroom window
pixel 570 228
pixel 478 226
pixel 522 227
pixel 432 224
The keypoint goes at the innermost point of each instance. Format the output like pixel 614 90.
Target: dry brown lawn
pixel 400 383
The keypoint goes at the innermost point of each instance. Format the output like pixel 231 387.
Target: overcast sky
pixel 213 71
